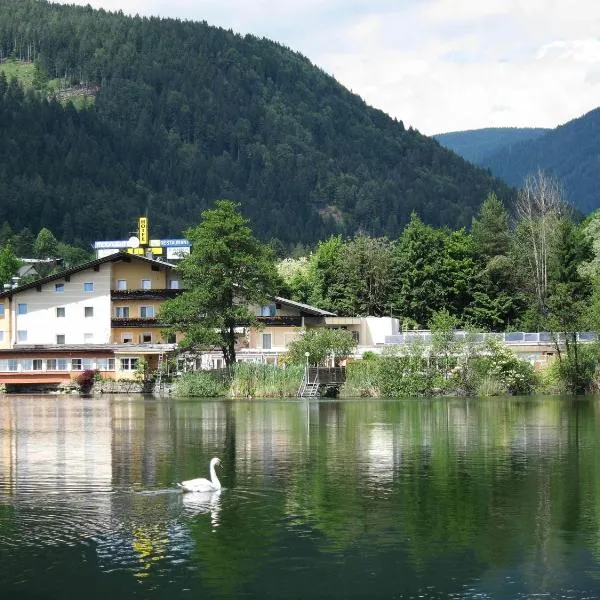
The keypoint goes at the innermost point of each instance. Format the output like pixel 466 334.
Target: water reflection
pixel 437 498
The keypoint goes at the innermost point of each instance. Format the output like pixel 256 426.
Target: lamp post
pixel 306 354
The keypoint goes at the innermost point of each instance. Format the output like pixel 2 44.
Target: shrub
pixel 320 343
pixel 200 384
pixel 362 377
pixel 515 376
pixel 85 380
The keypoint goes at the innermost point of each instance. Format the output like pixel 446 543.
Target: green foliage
pixel 320 343
pixel 407 373
pixel 510 374
pixel 45 245
pixel 9 264
pixel 227 272
pixel 199 384
pixel 569 152
pixel 434 269
pixel 186 113
pixel 251 380
pixel 362 377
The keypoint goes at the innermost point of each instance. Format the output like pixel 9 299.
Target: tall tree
pixel 45 245
pixel 419 281
pixel 540 204
pixel 227 273
pixel 495 297
pixel 9 264
pixel 567 303
pixel 490 229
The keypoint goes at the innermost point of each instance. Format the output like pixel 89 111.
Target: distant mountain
pixel 183 114
pixel 476 145
pixel 571 152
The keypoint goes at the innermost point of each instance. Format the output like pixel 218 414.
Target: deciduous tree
pixel 227 272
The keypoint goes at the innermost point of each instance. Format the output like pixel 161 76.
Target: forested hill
pixel 570 152
pixel 475 145
pixel 186 113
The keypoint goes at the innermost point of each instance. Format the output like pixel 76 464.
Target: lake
pixel 444 498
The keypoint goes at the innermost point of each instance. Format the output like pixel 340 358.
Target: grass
pixel 24 73
pixel 19 70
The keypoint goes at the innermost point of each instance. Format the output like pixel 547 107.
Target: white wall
pixel 378 328
pixel 42 324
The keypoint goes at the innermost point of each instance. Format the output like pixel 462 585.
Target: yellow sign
pixel 143 231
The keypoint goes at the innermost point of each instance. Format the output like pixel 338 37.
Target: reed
pixel 199 384
pixel 252 380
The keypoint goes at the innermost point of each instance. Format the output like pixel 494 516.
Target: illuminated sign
pixel 143 231
pixel 140 244
pixel 110 244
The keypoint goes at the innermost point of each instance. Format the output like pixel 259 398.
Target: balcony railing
pixel 158 294
pixel 135 322
pixel 281 321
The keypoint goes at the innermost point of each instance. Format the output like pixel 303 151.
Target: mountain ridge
pixel 187 113
pixel 570 152
pixel 475 145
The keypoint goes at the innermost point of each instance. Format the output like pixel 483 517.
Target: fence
pixel 510 337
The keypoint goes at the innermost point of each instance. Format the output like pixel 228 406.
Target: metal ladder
pixel 159 373
pixel 309 389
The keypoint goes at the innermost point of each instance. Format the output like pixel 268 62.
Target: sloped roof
pixel 306 308
pixel 116 257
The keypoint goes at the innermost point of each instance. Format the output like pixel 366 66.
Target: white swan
pixel 201 484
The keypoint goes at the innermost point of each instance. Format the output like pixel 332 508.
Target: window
pixel 127 338
pixel 146 284
pixel 76 364
pixel 87 364
pixel 22 335
pixel 122 312
pixel 174 284
pixel 88 311
pixel 22 309
pixel 12 364
pixel 37 364
pixel 60 312
pixel 88 338
pixel 146 338
pixel 88 286
pixel 51 364
pixel 1 336
pixel 268 310
pixel 60 338
pixel 146 312
pixel 59 288
pixel 26 364
pixel 121 284
pixel 105 364
pixel 129 364
pixel 62 364
pixel 1 311
pixel 266 341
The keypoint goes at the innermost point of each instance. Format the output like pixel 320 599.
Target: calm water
pixel 357 499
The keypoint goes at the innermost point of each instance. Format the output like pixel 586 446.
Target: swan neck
pixel 213 476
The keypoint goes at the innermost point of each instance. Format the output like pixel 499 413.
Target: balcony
pixel 135 322
pixel 158 294
pixel 281 321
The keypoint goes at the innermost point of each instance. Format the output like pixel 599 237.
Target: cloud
pixel 439 65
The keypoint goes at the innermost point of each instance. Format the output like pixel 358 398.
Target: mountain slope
pixel 185 114
pixel 475 145
pixel 571 152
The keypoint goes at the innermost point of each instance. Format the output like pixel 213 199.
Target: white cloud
pixel 439 65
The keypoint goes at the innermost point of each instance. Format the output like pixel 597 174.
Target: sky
pixel 438 65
